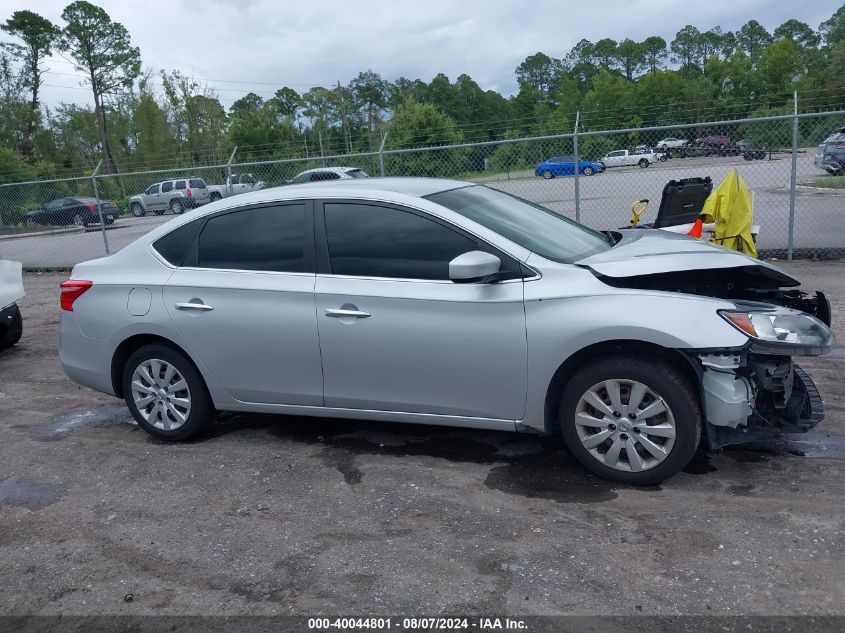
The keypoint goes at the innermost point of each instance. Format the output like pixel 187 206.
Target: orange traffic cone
pixel 695 231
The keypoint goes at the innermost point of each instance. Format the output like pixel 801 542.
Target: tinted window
pixel 166 186
pixel 302 178
pixel 152 190
pixel 324 175
pixel 357 173
pixel 372 241
pixel 179 184
pixel 196 183
pixel 174 246
pixel 269 238
pixel 531 226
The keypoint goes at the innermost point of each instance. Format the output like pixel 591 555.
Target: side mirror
pixel 473 266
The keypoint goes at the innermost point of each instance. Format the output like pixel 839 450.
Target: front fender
pixel 558 328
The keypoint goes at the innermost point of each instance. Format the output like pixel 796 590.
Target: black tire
pixel 176 206
pixel 137 210
pixel 202 411
pixel 548 175
pixel 588 171
pixel 661 377
pixel 11 334
pixel 643 163
pixel 216 196
pixel 78 220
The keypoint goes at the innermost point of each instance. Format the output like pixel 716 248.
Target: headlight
pixel 782 331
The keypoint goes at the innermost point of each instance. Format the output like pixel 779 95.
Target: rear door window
pixel 197 183
pixel 179 184
pixel 167 186
pixel 264 239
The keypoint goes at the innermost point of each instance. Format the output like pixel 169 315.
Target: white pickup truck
pixel 240 183
pixel 623 158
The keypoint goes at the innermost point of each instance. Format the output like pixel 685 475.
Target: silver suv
pixel 448 303
pixel 176 195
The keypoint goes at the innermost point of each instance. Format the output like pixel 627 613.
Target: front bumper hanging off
pixel 761 398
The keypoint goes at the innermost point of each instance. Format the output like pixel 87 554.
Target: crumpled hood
pixel 652 251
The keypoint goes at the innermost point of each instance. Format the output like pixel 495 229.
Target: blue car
pixel 565 166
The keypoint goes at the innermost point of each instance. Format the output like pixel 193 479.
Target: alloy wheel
pixel 625 425
pixel 161 394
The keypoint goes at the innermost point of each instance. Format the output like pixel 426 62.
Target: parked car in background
pixel 176 195
pixel 715 141
pixel 67 211
pixel 235 184
pixel 328 173
pixel 624 158
pixel 11 291
pixel 565 166
pixel 670 142
pixel 831 153
pixel 644 150
pixel 371 310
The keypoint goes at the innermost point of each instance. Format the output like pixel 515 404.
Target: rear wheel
pixel 176 206
pixel 11 332
pixel 166 394
pixel 137 210
pixel 548 175
pixel 629 420
pixel 215 196
pixel 643 163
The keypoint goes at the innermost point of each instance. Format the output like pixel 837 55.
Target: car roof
pixel 337 170
pixel 411 186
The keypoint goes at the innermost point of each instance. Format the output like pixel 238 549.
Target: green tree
pixel 287 103
pixel 421 125
pixel 101 48
pixel 832 30
pixel 154 141
pixel 604 53
pixel 370 91
pixel 780 65
pixel 686 47
pixel 752 37
pixel 631 57
pixel 799 32
pixel 37 34
pixel 540 72
pixel 654 49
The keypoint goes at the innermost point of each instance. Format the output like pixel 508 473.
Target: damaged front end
pixel 749 397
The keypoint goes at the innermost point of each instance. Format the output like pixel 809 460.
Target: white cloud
pixel 302 44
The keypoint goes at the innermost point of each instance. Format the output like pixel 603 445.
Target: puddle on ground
pixel 16 492
pixel 99 417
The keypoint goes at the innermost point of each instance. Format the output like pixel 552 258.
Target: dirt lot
pixel 276 515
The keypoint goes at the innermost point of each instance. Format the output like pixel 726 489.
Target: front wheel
pixel 11 331
pixel 630 421
pixel 643 163
pixel 548 175
pixel 588 171
pixel 166 394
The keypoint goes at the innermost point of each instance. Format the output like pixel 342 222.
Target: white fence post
pixel 791 241
pixel 100 206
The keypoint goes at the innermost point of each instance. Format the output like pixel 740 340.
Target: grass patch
pixel 832 182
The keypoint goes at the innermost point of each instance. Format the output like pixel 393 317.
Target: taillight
pixel 71 290
pixel 188 192
pixel 92 206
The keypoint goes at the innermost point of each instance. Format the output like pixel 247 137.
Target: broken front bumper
pixel 749 397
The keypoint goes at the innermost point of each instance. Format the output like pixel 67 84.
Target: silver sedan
pixel 450 303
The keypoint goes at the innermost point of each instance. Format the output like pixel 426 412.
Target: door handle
pixel 349 314
pixel 194 306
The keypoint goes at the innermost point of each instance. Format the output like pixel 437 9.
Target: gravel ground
pixel 287 515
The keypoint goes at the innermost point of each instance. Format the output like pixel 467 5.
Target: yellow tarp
pixel 729 207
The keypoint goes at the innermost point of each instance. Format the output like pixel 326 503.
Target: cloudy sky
pixel 239 46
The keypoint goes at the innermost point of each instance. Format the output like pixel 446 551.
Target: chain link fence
pixel 799 203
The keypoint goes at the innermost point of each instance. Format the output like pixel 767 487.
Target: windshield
pixel 531 226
